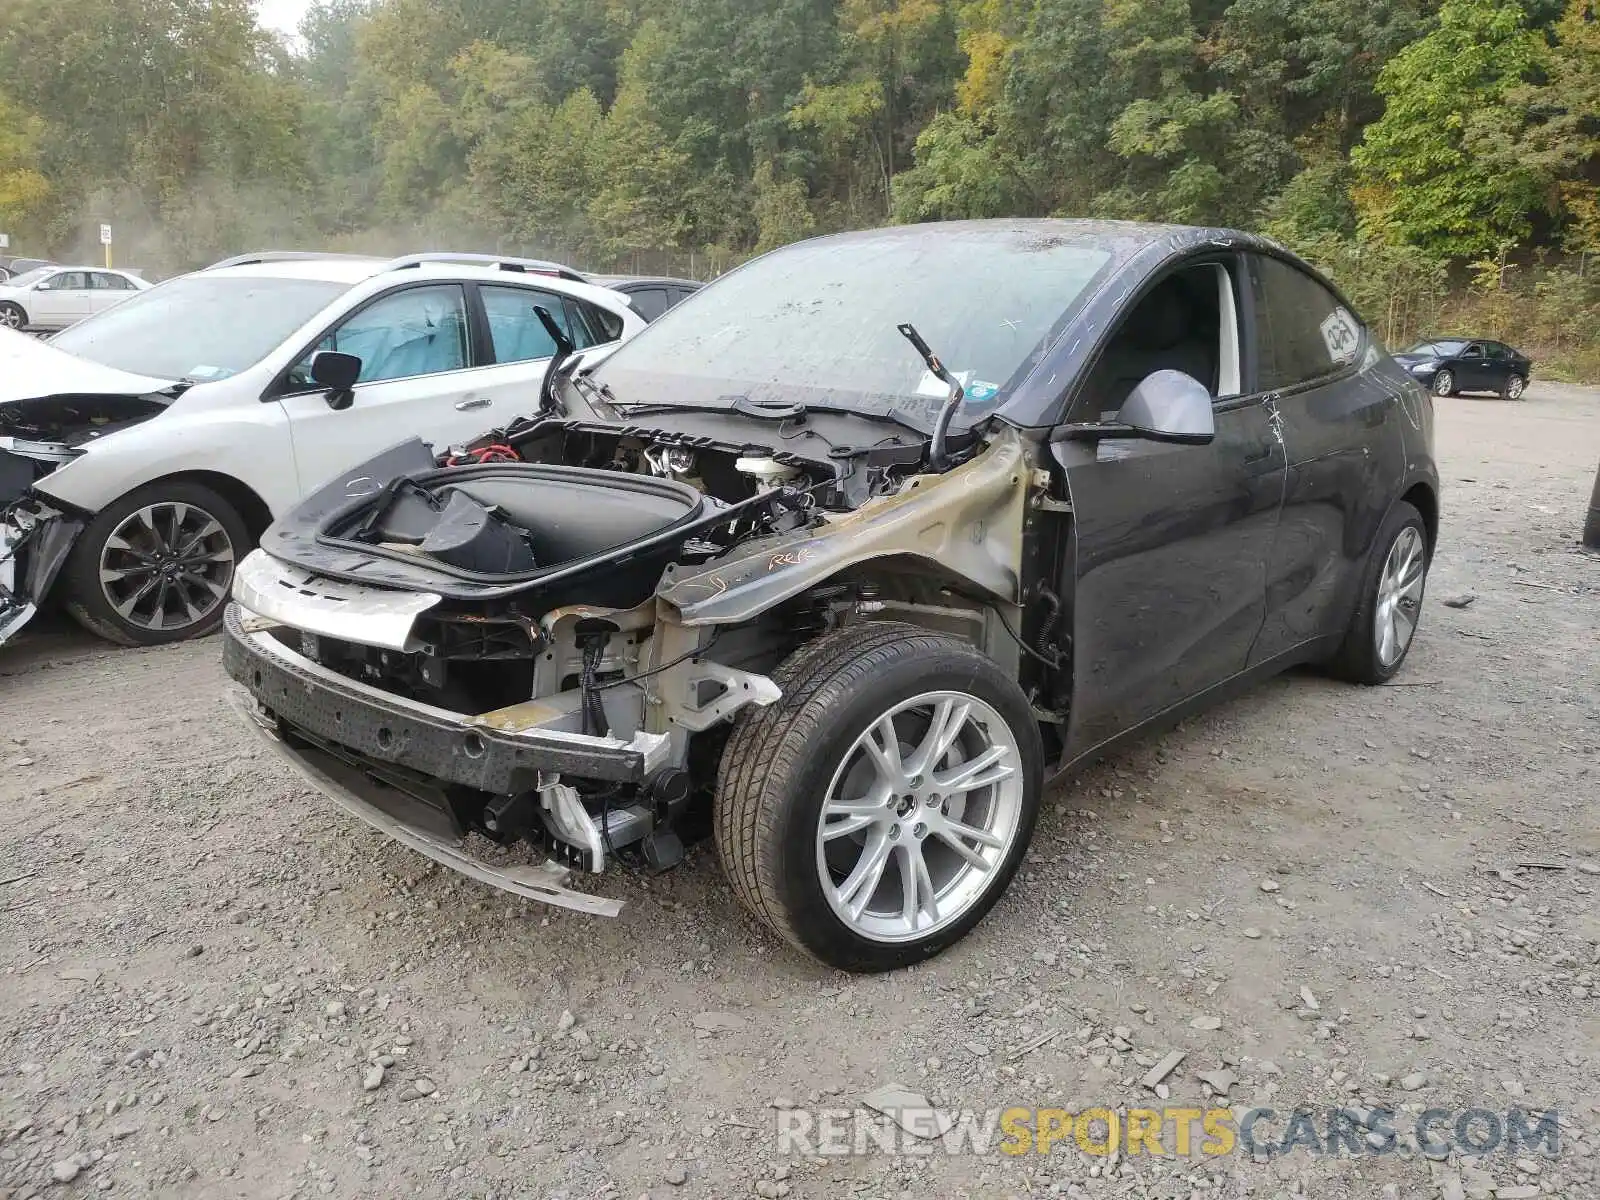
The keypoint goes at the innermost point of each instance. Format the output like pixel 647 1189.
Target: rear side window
pixel 516 330
pixel 650 303
pixel 605 321
pixel 1302 332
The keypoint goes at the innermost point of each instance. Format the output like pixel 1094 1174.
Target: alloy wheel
pixel 919 816
pixel 166 566
pixel 1444 383
pixel 11 317
pixel 1514 387
pixel 1399 596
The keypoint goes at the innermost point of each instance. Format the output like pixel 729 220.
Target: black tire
pixel 87 601
pixel 1515 387
pixel 1358 659
pixel 1444 383
pixel 12 315
pixel 779 761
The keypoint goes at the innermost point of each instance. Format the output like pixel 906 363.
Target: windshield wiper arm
pixel 937 458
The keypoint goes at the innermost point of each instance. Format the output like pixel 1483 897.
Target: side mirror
pixel 338 373
pixel 1166 406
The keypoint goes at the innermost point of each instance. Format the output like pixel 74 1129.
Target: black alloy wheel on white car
pixel 875 813
pixel 157 565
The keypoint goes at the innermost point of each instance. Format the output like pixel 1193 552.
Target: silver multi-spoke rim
pixel 1514 387
pixel 166 566
pixel 919 816
pixel 1442 382
pixel 1400 596
pixel 11 318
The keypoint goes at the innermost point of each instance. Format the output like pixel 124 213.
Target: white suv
pixel 145 450
pixel 55 297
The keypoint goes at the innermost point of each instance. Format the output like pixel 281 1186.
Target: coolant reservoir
pixel 768 472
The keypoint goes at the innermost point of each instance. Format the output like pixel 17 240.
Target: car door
pixel 1340 422
pixel 1472 369
pixel 417 380
pixel 1497 360
pixel 1167 567
pixel 106 289
pixel 61 300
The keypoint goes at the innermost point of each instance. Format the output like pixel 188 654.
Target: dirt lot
pixel 1319 889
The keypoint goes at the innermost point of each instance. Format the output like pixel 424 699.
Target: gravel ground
pixel 213 985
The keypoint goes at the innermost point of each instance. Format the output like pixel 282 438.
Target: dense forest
pixel 1440 159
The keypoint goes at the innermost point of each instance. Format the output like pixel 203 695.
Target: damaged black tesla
pixel 844 558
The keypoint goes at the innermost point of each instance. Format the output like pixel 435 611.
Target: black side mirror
pixel 338 373
pixel 1166 406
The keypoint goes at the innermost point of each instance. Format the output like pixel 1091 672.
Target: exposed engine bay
pixel 625 584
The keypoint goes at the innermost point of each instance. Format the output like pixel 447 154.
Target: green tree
pixel 1424 173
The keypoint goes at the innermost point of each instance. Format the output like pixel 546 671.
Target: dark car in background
pixel 12 265
pixel 650 295
pixel 1451 365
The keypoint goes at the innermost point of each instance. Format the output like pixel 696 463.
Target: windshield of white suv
pixel 816 323
pixel 28 278
pixel 199 327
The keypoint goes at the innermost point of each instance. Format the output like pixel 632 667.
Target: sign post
pixel 105 240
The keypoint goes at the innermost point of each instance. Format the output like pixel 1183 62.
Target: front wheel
pixel 156 566
pixel 1444 384
pixel 875 813
pixel 12 316
pixel 1515 386
pixel 1385 620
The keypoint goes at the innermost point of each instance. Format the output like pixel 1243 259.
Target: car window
pixel 1302 332
pixel 173 330
pixel 105 282
pixel 515 329
pixel 416 331
pixel 65 281
pixel 29 278
pixel 1473 351
pixel 608 326
pixel 1498 352
pixel 649 303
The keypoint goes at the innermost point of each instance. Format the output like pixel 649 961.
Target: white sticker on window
pixel 1341 335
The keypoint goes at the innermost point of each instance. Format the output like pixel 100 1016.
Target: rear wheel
pixel 875 813
pixel 157 565
pixel 1385 621
pixel 1514 388
pixel 1444 384
pixel 12 315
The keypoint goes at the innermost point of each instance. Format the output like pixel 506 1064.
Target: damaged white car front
pixel 54 408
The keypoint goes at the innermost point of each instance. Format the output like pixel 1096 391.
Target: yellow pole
pixel 108 256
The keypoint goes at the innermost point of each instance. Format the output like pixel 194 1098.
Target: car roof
pixel 615 281
pixel 1128 236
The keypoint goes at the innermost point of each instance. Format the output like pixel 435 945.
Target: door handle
pixel 472 402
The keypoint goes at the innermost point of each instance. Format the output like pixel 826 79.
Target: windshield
pixel 1442 349
pixel 199 327
pixel 29 278
pixel 816 323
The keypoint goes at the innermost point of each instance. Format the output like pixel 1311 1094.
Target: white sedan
pixel 55 297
